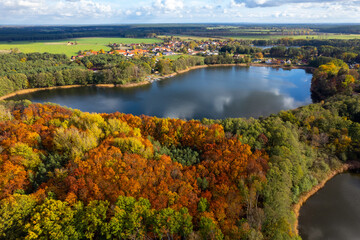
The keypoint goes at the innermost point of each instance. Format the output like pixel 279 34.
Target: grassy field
pixel 270 37
pixel 174 57
pixel 327 36
pixel 189 38
pixel 61 47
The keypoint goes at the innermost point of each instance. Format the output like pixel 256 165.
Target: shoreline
pixel 103 85
pixel 233 65
pixel 304 197
pixel 151 77
pixel 30 90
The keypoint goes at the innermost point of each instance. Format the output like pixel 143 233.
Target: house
pixel 139 51
pixel 121 52
pixel 168 53
pixel 194 52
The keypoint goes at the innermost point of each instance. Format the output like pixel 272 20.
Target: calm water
pixel 210 92
pixel 333 213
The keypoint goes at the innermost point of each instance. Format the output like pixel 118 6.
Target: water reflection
pixel 210 92
pixel 334 212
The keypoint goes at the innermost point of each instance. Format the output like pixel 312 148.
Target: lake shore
pixel 152 78
pixel 304 197
pixel 103 85
pixel 233 65
pixel 30 90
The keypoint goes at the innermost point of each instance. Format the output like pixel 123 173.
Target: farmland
pixel 62 47
pixel 174 57
pixel 189 38
pixel 97 43
pixel 320 36
pixel 269 37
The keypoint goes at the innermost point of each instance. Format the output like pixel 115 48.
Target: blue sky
pixel 47 12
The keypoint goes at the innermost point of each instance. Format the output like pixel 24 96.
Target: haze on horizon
pixel 50 12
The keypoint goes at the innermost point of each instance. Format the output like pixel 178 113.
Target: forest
pixel 67 174
pixel 333 78
pixel 36 70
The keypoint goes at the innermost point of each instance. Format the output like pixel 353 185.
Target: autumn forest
pixel 67 174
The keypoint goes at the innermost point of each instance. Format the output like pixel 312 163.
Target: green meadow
pixel 270 37
pixel 189 38
pixel 274 37
pixel 61 47
pixel 174 57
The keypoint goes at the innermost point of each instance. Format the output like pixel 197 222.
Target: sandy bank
pixel 127 85
pixel 30 90
pixel 307 195
pixel 111 85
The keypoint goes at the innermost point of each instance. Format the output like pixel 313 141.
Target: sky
pixel 53 12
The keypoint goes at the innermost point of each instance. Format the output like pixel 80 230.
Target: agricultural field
pixel 174 57
pixel 62 47
pixel 189 38
pixel 274 37
pixel 271 37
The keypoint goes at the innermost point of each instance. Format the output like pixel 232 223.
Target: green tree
pixel 52 220
pixel 130 219
pixel 20 81
pixel 14 212
pixel 209 230
pixel 91 222
pixel 203 205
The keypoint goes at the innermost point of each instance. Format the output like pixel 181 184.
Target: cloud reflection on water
pixel 211 93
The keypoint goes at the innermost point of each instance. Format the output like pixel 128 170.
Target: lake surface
pixel 333 213
pixel 214 92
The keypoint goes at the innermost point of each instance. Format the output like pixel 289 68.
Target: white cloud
pixel 49 10
pixel 274 3
pixel 157 9
pixel 168 6
pixel 125 11
pixel 128 12
pixel 81 8
pixel 234 3
pixel 11 5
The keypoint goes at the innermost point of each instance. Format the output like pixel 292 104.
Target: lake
pixel 214 92
pixel 334 211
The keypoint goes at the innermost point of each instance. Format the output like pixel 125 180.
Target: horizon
pixel 179 23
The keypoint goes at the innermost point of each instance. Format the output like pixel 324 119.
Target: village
pixel 160 49
pixel 179 48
